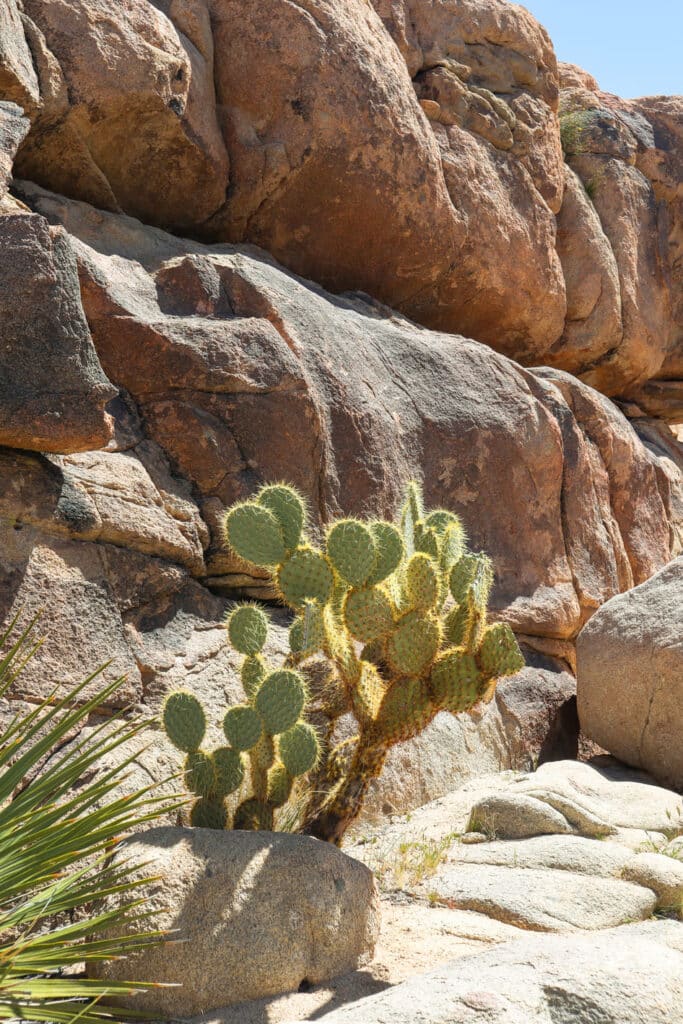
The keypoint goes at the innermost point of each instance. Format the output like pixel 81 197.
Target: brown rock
pixel 134 125
pixel 579 525
pixel 52 388
pixel 630 673
pixel 13 129
pixel 18 80
pixel 593 326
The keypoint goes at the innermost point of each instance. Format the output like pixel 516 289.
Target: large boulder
pixel 630 675
pixel 244 373
pixel 251 914
pixel 127 116
pixel 620 976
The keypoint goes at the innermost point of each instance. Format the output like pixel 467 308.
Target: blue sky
pixel 633 47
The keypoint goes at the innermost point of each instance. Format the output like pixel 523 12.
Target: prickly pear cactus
pixel 269 741
pixel 398 611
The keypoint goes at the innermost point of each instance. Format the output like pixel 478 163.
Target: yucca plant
pixel 55 840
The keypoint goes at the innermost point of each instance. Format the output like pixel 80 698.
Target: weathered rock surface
pixel 618 976
pixel 630 674
pixel 248 920
pixel 435 125
pixel 127 118
pixel 52 388
pixel 185 329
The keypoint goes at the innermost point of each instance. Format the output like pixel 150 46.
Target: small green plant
pixel 574 128
pixel 391 627
pixel 56 834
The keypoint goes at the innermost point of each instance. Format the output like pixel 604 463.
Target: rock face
pixel 630 673
pixel 241 373
pixel 617 977
pixel 434 125
pixel 249 921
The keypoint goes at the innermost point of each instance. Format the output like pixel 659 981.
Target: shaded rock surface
pixel 630 674
pixel 249 921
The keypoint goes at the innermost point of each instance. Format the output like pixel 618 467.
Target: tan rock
pixel 593 324
pixel 630 670
pixel 18 80
pixel 542 900
pixel 139 129
pixel 249 921
pixel 664 875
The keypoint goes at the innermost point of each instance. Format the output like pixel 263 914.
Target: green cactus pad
pixel 389 548
pixel 229 770
pixel 254 670
pixel 422 582
pixel 499 653
pixel 254 533
pixel 367 614
pixel 184 721
pixel 199 773
pixel 351 549
pixel 279 785
pixel 288 508
pixel 413 646
pixel 462 575
pixel 413 503
pixel 427 540
pixel 455 680
pixel 253 816
pixel 305 576
pixel 262 756
pixel 248 629
pixel 368 693
pixel 299 748
pixel 209 813
pixel 242 727
pixel 439 519
pixel 406 710
pixel 280 700
pixel 456 625
pixel 452 546
pixel 307 632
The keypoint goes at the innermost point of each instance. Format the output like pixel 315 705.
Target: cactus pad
pixel 229 770
pixel 427 540
pixel 499 653
pixel 422 582
pixel 199 773
pixel 280 700
pixel 305 576
pixel 184 721
pixel 254 670
pixel 253 815
pixel 279 785
pixel 254 533
pixel 389 548
pixel 351 549
pixel 462 575
pixel 209 813
pixel 248 629
pixel 456 680
pixel 288 508
pixel 439 519
pixel 299 748
pixel 242 727
pixel 413 646
pixel 456 625
pixel 368 693
pixel 406 710
pixel 307 632
pixel 368 614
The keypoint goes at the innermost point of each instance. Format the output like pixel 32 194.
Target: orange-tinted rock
pixel 245 373
pixel 128 116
